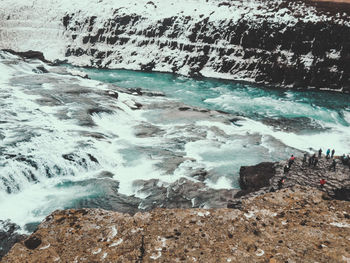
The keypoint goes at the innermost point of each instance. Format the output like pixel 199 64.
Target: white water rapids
pixel 62 135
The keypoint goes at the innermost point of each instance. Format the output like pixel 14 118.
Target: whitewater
pixel 68 141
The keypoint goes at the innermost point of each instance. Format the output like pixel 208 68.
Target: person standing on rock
pixel 291 161
pixel 322 183
pixel 304 158
pixel 311 160
pixel 332 154
pixel 285 169
pixel 334 163
pixel 320 153
pixel 315 161
pixel 281 182
pixel 327 153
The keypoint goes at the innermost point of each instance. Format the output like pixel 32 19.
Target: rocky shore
pixel 265 177
pixel 291 225
pixel 264 224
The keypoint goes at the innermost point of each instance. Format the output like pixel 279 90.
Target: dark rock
pixel 342 193
pixel 253 178
pixel 297 124
pixel 41 69
pixel 92 158
pixel 75 158
pixel 200 174
pixel 184 108
pixel 99 110
pixel 27 160
pixel 8 236
pixel 65 20
pixel 112 94
pixel 148 67
pixel 28 54
pixel 254 183
pixel 235 204
pixel 104 174
pixel 33 242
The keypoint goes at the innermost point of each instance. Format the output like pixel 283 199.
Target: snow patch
pixel 250 214
pixel 96 251
pixel 42 248
pixel 340 224
pixel 207 213
pixel 116 243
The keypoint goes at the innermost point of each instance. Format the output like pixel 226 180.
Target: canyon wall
pixel 294 44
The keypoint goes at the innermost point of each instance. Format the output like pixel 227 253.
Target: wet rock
pixel 296 125
pixel 28 160
pixel 148 130
pixel 106 195
pixel 8 236
pixel 200 174
pixel 112 94
pixel 40 70
pixel 75 158
pixel 105 174
pixel 92 158
pixel 184 108
pixel 29 54
pixel 183 193
pixel 98 111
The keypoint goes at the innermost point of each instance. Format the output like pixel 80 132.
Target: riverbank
pixel 299 204
pixel 293 224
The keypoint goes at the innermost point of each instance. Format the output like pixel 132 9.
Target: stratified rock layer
pixel 294 225
pixel 297 44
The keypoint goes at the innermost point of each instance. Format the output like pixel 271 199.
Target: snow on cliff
pixel 274 42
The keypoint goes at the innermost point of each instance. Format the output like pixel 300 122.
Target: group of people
pixel 345 159
pixel 313 161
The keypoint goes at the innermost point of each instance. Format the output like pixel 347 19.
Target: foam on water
pixel 35 202
pixel 51 146
pixel 338 137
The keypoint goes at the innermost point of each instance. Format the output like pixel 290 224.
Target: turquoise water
pixel 67 143
pixel 236 98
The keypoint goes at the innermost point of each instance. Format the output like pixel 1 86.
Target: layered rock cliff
pixel 282 43
pixel 291 225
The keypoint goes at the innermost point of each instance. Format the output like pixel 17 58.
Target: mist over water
pixel 68 142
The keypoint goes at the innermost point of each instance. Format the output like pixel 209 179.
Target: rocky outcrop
pixel 252 178
pixel 30 54
pixel 295 44
pixel 266 177
pixel 8 236
pixel 292 225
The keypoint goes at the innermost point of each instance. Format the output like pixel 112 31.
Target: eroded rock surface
pixel 293 225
